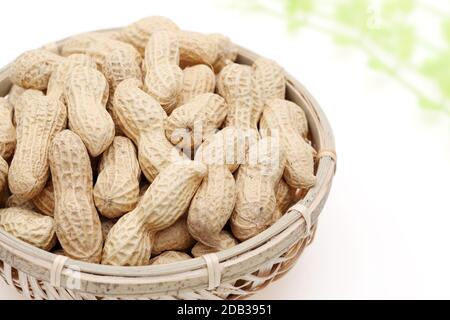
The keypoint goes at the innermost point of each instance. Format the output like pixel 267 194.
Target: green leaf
pixel 437 69
pixel 344 40
pixel 446 30
pixel 399 40
pixel 392 8
pixel 353 13
pixel 430 105
pixel 377 64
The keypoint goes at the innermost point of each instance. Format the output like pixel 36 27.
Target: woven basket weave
pixel 235 273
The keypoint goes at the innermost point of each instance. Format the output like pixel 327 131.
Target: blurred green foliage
pixel 385 30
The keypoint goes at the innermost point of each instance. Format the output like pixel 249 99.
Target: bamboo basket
pixel 236 273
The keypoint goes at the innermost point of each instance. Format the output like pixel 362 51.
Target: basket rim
pixel 292 223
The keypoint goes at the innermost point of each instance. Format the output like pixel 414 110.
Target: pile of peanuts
pixel 147 145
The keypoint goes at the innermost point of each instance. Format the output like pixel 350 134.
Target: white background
pixel 385 231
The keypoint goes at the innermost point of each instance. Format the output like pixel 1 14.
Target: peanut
pixel 24 101
pixel 3 174
pixel 32 69
pixel 176 237
pixel 278 120
pixel 270 79
pixel 129 242
pixel 7 130
pixel 77 222
pixel 235 85
pixel 57 79
pixel 227 53
pixel 227 241
pixel 142 119
pixel 29 226
pixel 213 203
pixel 194 122
pixel 117 188
pixel 45 201
pixel 164 78
pixel 256 182
pixel 40 120
pixel 140 31
pixel 98 46
pixel 285 196
pixel 197 48
pixel 197 80
pixel 86 94
pixel 169 257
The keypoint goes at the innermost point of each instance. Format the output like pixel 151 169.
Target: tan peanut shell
pixel 14 201
pixel 176 237
pixel 197 80
pixel 98 46
pixel 280 119
pixel 32 69
pixel 45 201
pixel 77 222
pixel 136 110
pixel 235 84
pixel 227 241
pixel 285 196
pixel 29 226
pixel 139 32
pixel 169 257
pixel 256 182
pixel 129 242
pixel 269 83
pixel 7 130
pixel 194 122
pixel 141 118
pixel 3 174
pixel 24 101
pixel 227 51
pixel 40 120
pixel 86 94
pixel 121 65
pixel 14 93
pixel 58 77
pixel 212 205
pixel 197 48
pixel 164 78
pixel 116 190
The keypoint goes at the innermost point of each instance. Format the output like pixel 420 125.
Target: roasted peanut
pixel 280 118
pixel 29 226
pixel 77 222
pixel 116 191
pixel 256 182
pixel 141 118
pixel 169 257
pixel 57 79
pixel 197 48
pixel 227 51
pixel 197 80
pixel 86 94
pixel 176 237
pixel 24 101
pixel 7 130
pixel 164 78
pixel 98 46
pixel 285 196
pixel 270 79
pixel 191 124
pixel 32 69
pixel 213 203
pixel 40 120
pixel 129 242
pixel 227 241
pixel 45 201
pixel 139 32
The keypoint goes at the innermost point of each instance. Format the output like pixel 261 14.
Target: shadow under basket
pixel 236 273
